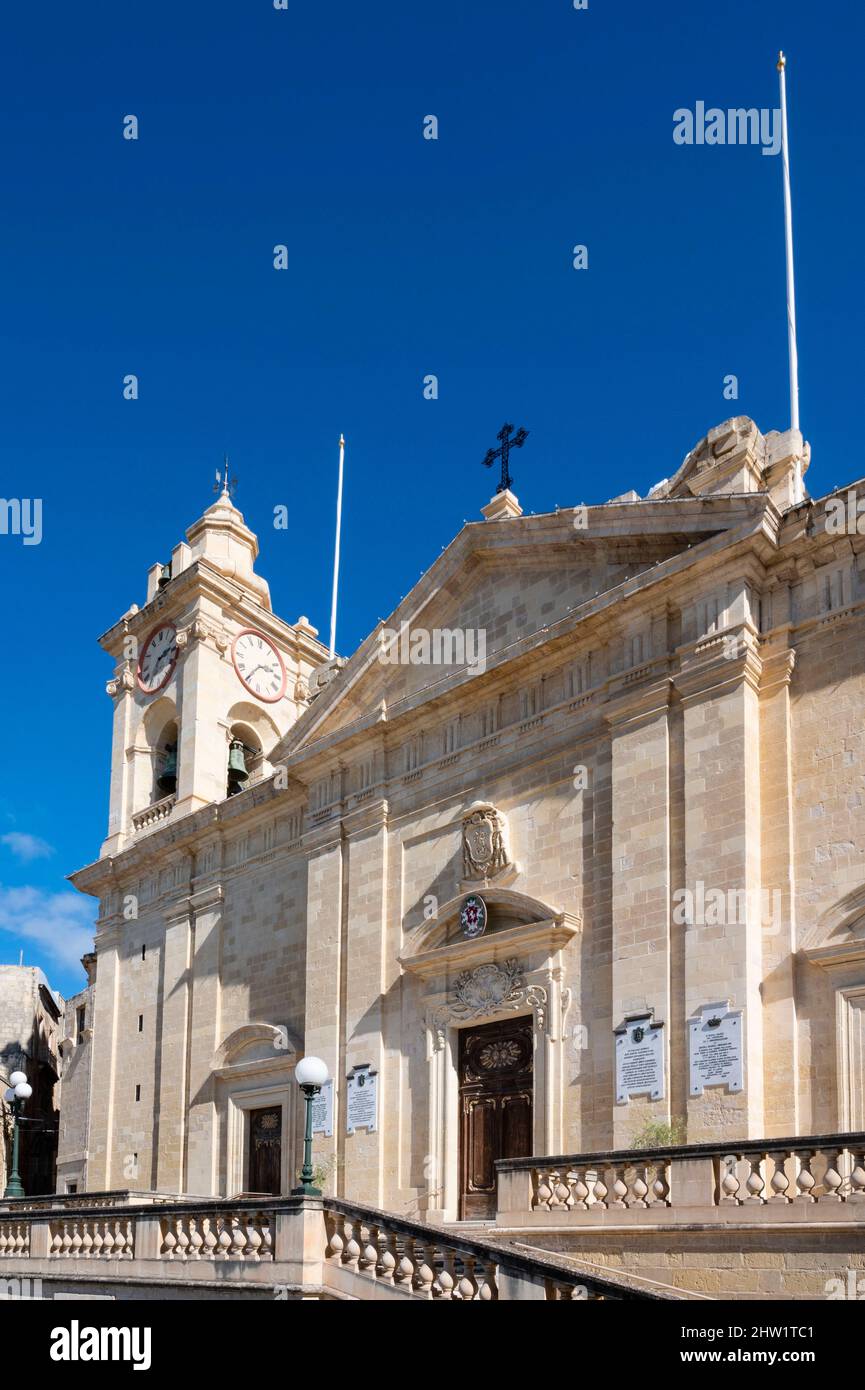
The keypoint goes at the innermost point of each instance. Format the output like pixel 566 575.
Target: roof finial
pixel 224 485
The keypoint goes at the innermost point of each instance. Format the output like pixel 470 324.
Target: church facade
pixel 573 844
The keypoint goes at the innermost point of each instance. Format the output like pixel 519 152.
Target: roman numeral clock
pixel 158 659
pixel 259 666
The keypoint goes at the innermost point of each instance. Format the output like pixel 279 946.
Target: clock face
pixel 259 666
pixel 158 659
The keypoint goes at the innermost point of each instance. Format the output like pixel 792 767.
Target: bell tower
pixel 206 682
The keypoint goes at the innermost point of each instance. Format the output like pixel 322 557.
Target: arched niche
pixel 253 1069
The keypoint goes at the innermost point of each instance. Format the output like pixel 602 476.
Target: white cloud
pixel 26 847
pixel 61 924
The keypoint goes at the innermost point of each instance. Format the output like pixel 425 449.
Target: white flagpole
pixel 788 231
pixel 336 549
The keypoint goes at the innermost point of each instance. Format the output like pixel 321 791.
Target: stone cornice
pixel 198 580
pixel 550 936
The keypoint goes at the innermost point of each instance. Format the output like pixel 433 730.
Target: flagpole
pixel 336 549
pixel 788 234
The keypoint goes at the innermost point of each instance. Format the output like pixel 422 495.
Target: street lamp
pixel 18 1092
pixel 310 1074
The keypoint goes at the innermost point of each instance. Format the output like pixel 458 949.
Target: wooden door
pixel 495 1079
pixel 265 1150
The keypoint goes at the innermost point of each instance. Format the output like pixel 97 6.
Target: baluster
pixel 857 1177
pixel 238 1239
pixel 196 1240
pixel 805 1180
pixel 351 1254
pixel 210 1242
pixel 253 1237
pixel 388 1257
pixel 445 1280
pixel 756 1183
pixel 266 1251
pixel 182 1239
pixel 405 1269
pixel 335 1244
pixel 580 1191
pixel 223 1238
pixel 599 1191
pixel 368 1258
pixel 168 1241
pixel 75 1245
pixel 488 1289
pixel 543 1189
pixel 425 1272
pixel 780 1182
pixel 98 1239
pixel 832 1179
pixel 119 1240
pixel 620 1187
pixel 561 1191
pixel 640 1189
pixel 467 1287
pixel 729 1186
pixel 3 1239
pixel 67 1240
pixel 56 1240
pixel 86 1242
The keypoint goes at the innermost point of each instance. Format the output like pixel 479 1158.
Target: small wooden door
pixel 495 1078
pixel 265 1150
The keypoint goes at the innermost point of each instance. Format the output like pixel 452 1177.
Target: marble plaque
pixel 717 1054
pixel 362 1099
pixel 322 1110
pixel 640 1059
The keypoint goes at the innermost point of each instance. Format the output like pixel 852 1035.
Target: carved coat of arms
pixel 485 842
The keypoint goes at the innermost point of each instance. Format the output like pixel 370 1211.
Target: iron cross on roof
pixel 507 444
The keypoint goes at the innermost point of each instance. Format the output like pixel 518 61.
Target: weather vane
pixel 225 485
pixel 507 444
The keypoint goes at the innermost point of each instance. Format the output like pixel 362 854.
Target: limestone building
pixel 30 1014
pixel 574 842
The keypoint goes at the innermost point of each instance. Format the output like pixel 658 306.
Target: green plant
pixel 660 1134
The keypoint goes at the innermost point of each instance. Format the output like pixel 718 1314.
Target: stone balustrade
pixel 290 1247
pixel 780 1176
pixel 14 1239
pixel 153 815
pixel 216 1236
pixel 92 1238
pixel 412 1259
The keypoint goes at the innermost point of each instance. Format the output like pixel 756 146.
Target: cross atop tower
pixel 507 444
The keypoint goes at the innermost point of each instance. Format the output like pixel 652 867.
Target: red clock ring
pixel 152 690
pixel 265 699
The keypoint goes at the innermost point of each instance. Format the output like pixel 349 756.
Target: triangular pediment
pixel 500 585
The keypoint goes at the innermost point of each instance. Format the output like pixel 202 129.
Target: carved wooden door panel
pixel 495 1078
pixel 265 1150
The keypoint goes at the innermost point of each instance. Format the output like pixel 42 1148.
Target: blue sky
pixel 405 257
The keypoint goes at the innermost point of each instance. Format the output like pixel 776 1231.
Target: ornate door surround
pixel 470 981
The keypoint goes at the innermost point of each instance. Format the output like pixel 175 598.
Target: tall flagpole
pixel 788 231
pixel 336 549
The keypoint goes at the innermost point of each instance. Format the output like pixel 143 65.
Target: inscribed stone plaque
pixel 716 1051
pixel 322 1110
pixel 362 1099
pixel 640 1059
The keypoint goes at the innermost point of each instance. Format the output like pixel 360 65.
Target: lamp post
pixel 18 1092
pixel 310 1074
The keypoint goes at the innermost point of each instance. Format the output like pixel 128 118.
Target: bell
pixel 236 762
pixel 167 779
